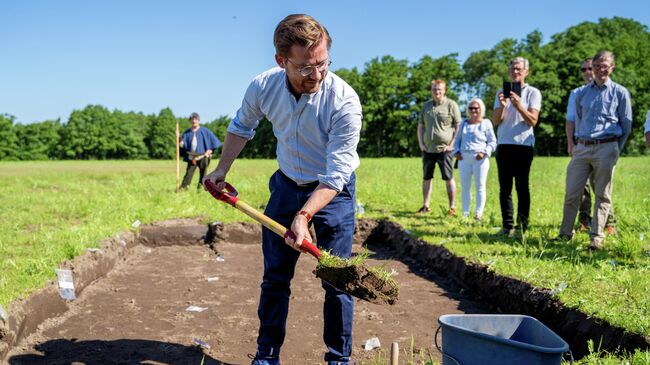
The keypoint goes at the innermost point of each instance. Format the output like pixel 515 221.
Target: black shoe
pixel 509 232
pixel 562 238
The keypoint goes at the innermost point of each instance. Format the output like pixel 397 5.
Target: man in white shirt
pixel 316 119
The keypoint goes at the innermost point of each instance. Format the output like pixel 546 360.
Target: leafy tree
pixel 427 69
pixel 161 137
pixel 8 137
pixel 38 141
pixel 131 131
pixel 385 99
pixel 85 135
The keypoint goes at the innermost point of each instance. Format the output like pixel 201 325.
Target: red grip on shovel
pixel 305 246
pixel 229 197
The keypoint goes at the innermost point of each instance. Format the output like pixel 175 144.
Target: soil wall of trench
pixel 506 294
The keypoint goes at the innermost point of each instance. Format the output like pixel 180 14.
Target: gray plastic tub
pixel 498 339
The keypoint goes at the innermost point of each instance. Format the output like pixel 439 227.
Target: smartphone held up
pixel 511 87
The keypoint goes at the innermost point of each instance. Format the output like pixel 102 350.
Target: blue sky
pixel 142 55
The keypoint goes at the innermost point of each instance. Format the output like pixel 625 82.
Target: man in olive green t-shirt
pixel 439 121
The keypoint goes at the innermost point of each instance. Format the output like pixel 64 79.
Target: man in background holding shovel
pixel 316 119
pixel 198 143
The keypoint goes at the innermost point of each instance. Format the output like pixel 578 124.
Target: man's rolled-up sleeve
pixel 624 111
pixel 342 157
pixel 571 108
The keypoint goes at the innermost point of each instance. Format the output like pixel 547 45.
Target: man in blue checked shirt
pixel 316 119
pixel 603 122
pixel 584 214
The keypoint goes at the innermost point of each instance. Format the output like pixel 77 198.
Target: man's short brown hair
pixel 299 29
pixel 605 55
pixel 438 82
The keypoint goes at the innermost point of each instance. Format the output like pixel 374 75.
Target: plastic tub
pixel 498 339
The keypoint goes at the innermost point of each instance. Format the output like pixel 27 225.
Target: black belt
pixel 588 142
pixel 311 185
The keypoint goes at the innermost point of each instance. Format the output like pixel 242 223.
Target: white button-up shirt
pixel 317 134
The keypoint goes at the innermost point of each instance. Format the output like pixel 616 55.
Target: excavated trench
pixel 135 297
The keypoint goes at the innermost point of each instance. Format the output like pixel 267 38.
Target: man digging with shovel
pixel 316 119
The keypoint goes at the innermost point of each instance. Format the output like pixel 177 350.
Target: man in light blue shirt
pixel 584 214
pixel 316 119
pixel 603 122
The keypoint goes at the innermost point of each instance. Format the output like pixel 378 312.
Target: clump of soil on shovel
pixel 351 276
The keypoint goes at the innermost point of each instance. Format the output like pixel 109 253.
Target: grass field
pixel 52 211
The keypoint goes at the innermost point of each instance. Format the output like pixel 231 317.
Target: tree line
pixel 391 92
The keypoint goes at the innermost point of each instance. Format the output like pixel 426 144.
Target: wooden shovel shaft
pixel 260 217
pixel 275 226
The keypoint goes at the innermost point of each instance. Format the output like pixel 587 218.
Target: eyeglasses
pixel 604 67
pixel 309 69
pixel 518 69
pixel 474 108
pixel 586 69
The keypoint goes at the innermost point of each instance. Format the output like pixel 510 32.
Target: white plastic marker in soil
pixel 372 344
pixel 193 308
pixel 66 284
pixel 201 343
pixel 3 314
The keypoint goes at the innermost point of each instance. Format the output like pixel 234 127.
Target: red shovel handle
pixel 305 246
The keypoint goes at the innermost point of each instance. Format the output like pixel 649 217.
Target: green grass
pixel 53 211
pixel 326 259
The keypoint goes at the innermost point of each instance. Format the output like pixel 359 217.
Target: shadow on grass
pixel 64 351
pixel 538 242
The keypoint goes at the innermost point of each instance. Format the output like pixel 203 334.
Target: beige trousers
pixel 599 159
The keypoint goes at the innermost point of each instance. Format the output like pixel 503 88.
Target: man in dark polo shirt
pixel 439 121
pixel 603 122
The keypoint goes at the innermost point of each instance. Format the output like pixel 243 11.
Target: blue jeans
pixel 334 226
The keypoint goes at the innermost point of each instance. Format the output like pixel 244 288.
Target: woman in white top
pixel 473 146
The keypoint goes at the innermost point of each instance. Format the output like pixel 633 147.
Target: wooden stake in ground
pixel 394 353
pixel 178 157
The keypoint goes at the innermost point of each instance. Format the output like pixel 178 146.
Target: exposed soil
pixel 134 293
pixel 136 313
